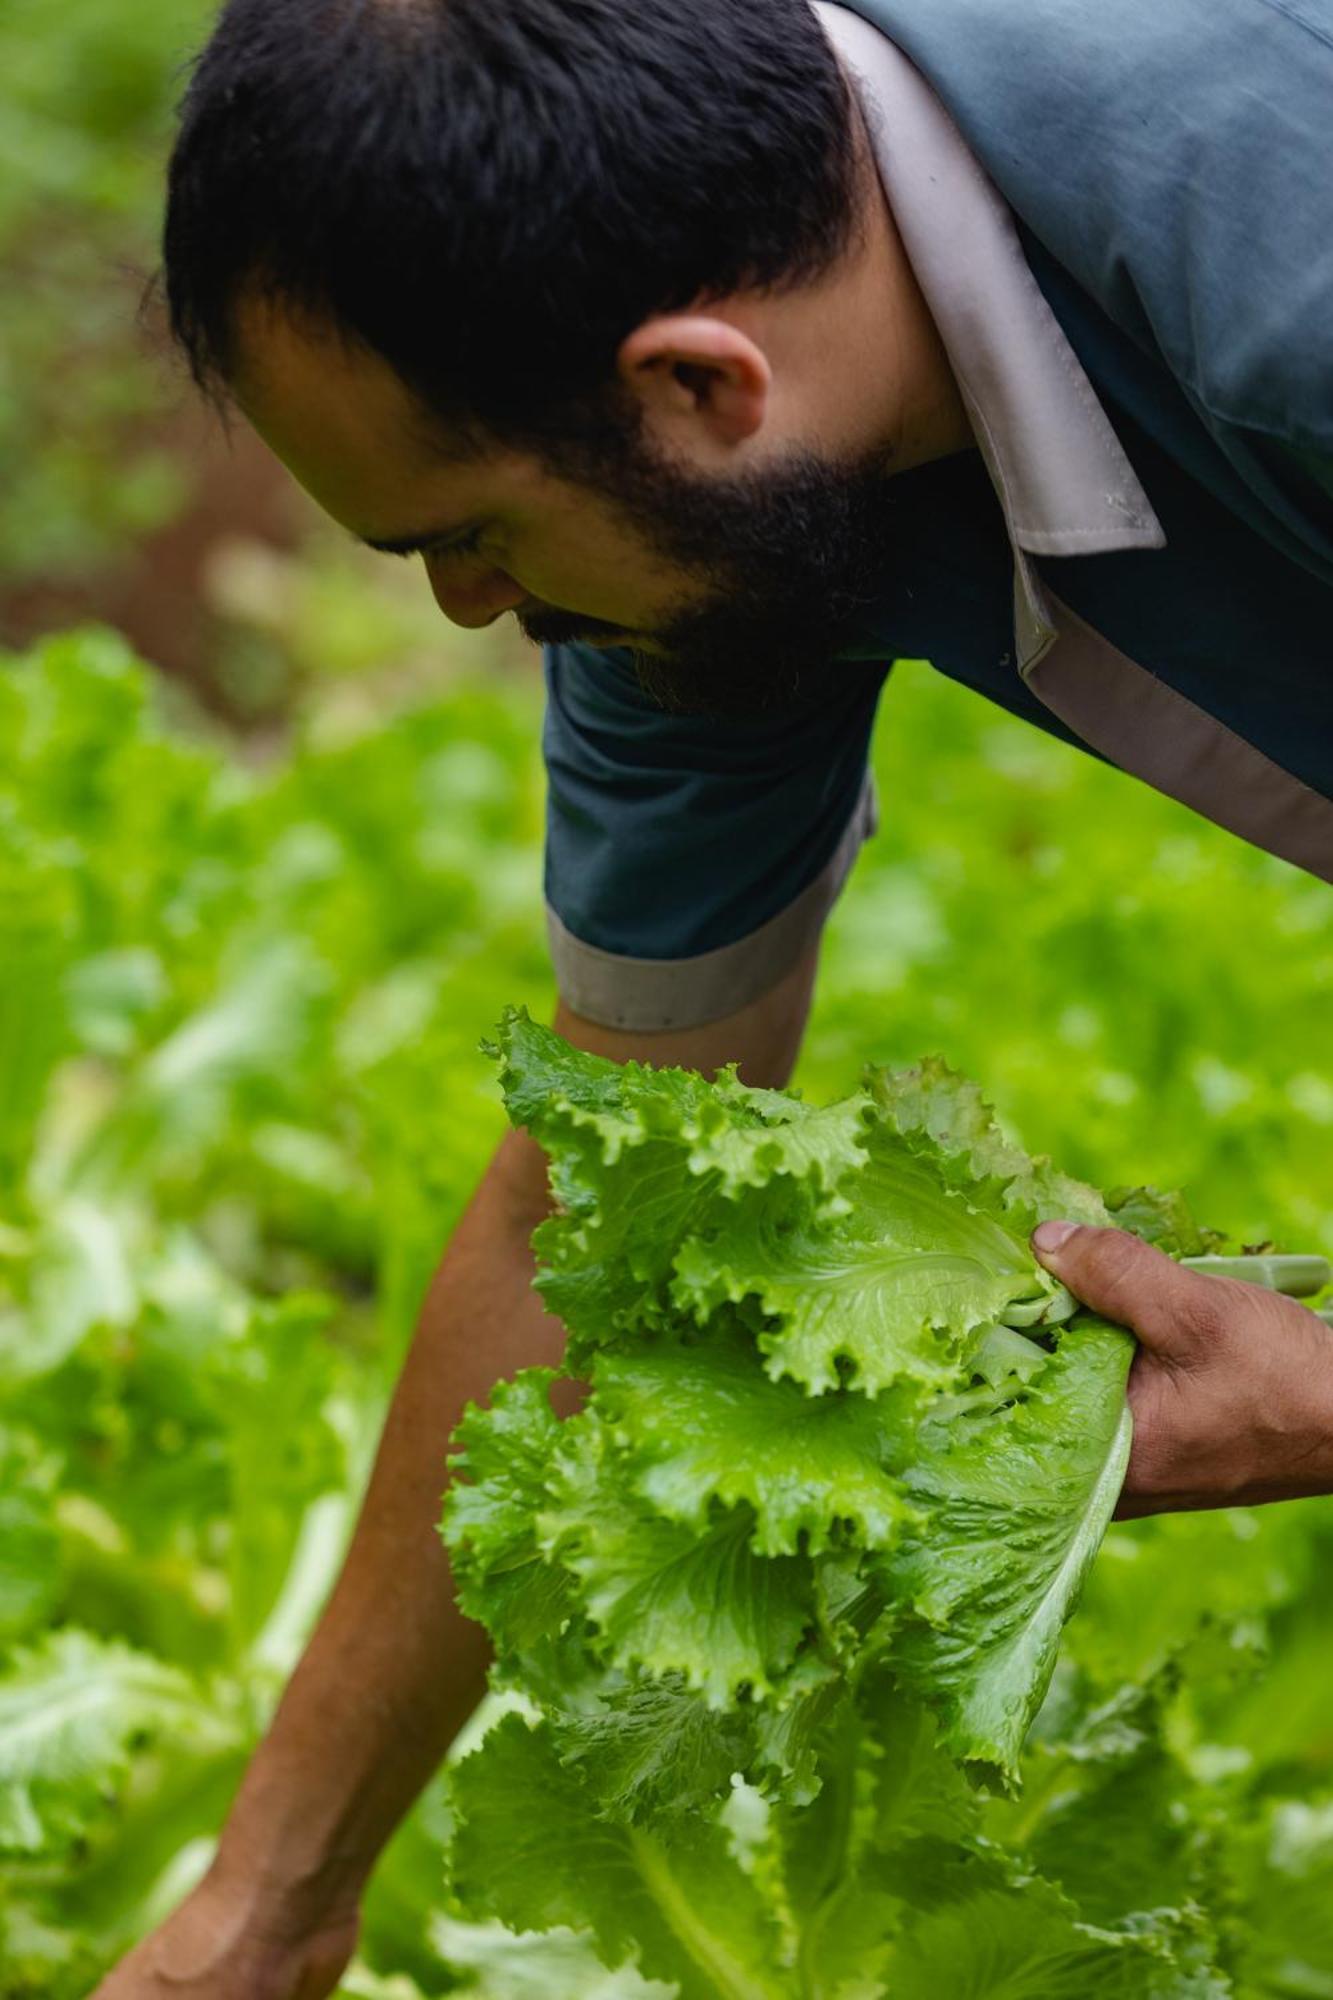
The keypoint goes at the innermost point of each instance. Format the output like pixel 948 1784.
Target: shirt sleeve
pixel 691 862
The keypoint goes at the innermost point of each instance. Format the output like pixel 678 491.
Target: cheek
pixel 564 566
pixel 603 560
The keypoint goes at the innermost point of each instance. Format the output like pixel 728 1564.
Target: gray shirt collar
pixel 1061 474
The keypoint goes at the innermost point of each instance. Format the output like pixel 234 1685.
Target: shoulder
pixel 1174 155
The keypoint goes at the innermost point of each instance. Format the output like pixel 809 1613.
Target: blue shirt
pixel 1136 295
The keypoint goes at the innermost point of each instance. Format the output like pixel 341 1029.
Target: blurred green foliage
pixel 1144 996
pixel 85 118
pixel 241 1103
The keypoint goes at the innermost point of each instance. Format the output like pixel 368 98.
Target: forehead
pixel 296 373
pixel 350 430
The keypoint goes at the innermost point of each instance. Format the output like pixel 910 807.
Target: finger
pixel 1173 1312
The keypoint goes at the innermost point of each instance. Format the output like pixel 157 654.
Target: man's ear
pixel 692 373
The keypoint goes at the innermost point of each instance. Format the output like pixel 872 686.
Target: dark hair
pixel 492 193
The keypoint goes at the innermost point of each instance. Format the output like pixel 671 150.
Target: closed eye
pixel 466 542
pixel 464 545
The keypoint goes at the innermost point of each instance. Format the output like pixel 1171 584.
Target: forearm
pixel 394 1669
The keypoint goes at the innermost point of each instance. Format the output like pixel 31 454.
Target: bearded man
pixel 737 348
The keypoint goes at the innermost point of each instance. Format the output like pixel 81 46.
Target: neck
pixel 905 385
pixel 860 355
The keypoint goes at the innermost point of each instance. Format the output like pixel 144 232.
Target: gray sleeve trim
pixel 650 995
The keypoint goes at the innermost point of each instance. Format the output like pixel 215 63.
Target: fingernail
pixel 1048 1237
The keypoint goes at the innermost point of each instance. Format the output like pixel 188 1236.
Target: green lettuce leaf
pixel 918 1791
pixel 848 1390
pixel 1164 1218
pixel 501 1472
pixel 1110 1782
pixel 886 1294
pixel 71 1709
pixel 30 1553
pixel 1015 1502
pixel 662 1597
pixel 653 1748
pixel 933 1105
pixel 644 1159
pixel 1284 1865
pixel 703 1424
pixel 872 1237
pixel 534 1852
pixel 1021 1941
pixel 846 1457
pixel 494 1964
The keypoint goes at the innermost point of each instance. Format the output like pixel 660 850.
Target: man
pixel 738 348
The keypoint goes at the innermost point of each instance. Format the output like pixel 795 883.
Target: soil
pixel 156 596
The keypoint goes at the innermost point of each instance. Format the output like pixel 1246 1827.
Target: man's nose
pixel 473 596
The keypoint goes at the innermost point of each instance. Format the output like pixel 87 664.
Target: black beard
pixel 791 561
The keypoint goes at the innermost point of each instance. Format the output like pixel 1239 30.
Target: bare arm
pixel 393 1669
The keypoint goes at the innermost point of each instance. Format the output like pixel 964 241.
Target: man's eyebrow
pixel 434 539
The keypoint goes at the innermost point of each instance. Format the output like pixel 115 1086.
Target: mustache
pixel 546 625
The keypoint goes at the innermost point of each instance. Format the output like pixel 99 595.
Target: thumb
pixel 1124 1279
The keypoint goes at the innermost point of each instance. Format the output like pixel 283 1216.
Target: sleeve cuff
pixel 651 995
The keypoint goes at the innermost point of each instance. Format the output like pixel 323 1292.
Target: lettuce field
pixel 242 1097
pixel 820 1674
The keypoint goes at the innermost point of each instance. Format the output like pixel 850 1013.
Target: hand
pixel 218 1946
pixel 1232 1386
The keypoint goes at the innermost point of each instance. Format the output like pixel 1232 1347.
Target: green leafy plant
pixel 846 1457
pixel 225 990
pixel 84 129
pixel 240 1105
